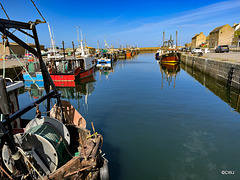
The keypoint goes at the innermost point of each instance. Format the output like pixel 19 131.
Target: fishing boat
pixel 83 52
pixel 170 57
pixel 128 54
pixel 159 54
pixel 66 72
pixel 104 63
pixel 121 54
pixel 56 146
pixel 32 73
pixel 104 60
pixel 167 53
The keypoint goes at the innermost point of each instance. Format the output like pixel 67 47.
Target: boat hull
pixel 85 74
pixel 68 80
pixel 36 77
pixel 104 63
pixel 129 54
pixel 171 58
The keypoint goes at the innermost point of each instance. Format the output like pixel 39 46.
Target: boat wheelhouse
pixel 121 54
pixel 104 63
pixel 65 72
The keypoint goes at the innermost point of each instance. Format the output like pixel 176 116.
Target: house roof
pixel 197 35
pixel 217 29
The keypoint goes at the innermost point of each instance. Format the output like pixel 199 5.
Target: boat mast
pixel 176 38
pixel 52 45
pixel 63 50
pixel 106 44
pixel 163 37
pixel 78 36
pixel 98 45
pixel 82 44
pixel 85 41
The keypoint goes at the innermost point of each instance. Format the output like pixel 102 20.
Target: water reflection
pixel 106 71
pixel 34 91
pixel 169 73
pixel 78 90
pixel 228 94
pixel 189 133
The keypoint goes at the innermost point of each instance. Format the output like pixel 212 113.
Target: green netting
pixel 49 133
pixel 31 67
pixel 76 154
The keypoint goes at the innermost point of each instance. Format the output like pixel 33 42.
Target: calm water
pixel 157 126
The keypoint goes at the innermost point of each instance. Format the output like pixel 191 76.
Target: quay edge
pixel 148 49
pixel 225 71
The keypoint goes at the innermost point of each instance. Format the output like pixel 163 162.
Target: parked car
pixel 9 56
pixel 196 50
pixel 189 49
pixel 222 48
pixel 184 49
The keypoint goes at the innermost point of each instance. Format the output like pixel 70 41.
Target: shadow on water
pixel 228 94
pixel 112 153
pixel 13 73
pixel 113 159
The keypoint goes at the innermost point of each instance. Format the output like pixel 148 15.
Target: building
pixel 197 40
pixel 236 38
pixel 221 35
pixel 236 26
pixel 14 48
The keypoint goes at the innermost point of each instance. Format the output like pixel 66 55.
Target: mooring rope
pixel 24 68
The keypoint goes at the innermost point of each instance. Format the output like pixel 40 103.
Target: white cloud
pixel 188 18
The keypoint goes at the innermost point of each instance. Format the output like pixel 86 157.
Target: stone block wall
pixel 227 72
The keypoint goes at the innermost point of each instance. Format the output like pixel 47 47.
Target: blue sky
pixel 124 22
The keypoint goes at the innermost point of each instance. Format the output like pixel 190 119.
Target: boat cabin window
pixel 82 65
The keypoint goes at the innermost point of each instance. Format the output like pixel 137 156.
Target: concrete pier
pixel 148 49
pixel 225 71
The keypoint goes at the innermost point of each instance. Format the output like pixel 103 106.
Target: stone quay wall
pixel 225 71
